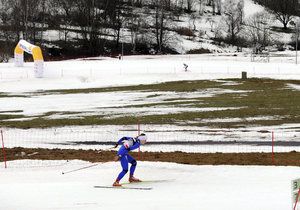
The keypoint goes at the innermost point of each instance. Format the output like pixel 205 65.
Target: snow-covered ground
pixel 133 70
pixel 40 184
pixel 35 184
pixel 180 187
pixel 105 103
pixel 158 68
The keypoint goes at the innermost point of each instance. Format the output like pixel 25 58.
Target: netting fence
pixel 159 140
pixel 203 141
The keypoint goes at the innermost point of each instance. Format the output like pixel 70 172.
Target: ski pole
pixel 78 169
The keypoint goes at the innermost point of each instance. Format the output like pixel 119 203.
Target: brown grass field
pixel 280 159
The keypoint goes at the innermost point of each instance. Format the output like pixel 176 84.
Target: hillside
pixel 67 29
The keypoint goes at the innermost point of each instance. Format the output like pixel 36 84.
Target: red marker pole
pixel 297 200
pixel 3 150
pixel 139 130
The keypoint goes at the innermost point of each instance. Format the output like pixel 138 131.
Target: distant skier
pixel 185 66
pixel 128 144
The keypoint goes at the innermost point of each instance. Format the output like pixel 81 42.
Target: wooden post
pixel 273 143
pixel 244 75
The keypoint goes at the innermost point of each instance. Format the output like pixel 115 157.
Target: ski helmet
pixel 142 137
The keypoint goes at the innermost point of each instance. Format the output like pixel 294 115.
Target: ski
pixel 149 181
pixel 124 188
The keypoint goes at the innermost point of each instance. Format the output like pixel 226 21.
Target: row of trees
pixel 97 26
pixel 100 26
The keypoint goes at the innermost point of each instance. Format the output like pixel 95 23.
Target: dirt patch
pixel 281 159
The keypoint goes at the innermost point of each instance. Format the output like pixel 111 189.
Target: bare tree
pixel 192 21
pixel 137 24
pixel 282 9
pixel 87 17
pixel 24 17
pixel 233 17
pixel 65 9
pixel 219 6
pixel 190 4
pixel 211 22
pixel 12 16
pixel 258 30
pixel 6 32
pixel 161 21
pixel 201 6
pixel 159 24
pixel 179 5
pixel 118 20
pixel 30 18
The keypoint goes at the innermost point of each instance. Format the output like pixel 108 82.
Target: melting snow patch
pixel 293 86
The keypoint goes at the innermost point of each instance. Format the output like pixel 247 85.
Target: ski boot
pixel 133 179
pixel 117 184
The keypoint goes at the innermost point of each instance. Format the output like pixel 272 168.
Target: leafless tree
pixel 282 9
pixel 219 6
pixel 202 4
pixel 65 9
pixel 233 17
pixel 216 6
pixel 258 30
pixel 161 21
pixel 87 17
pixel 190 4
pixel 211 22
pixel 192 22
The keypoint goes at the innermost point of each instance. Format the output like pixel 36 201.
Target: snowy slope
pixel 205 25
pixel 250 8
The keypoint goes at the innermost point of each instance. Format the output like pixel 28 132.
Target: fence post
pixel 273 158
pixel 244 75
pixel 3 150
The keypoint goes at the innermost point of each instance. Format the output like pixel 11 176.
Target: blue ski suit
pixel 128 143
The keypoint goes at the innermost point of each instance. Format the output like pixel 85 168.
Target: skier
pixel 128 144
pixel 185 66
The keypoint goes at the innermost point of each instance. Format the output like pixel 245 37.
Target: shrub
pixel 185 31
pixel 198 51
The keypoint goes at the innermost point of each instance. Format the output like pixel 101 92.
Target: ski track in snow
pixel 186 187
